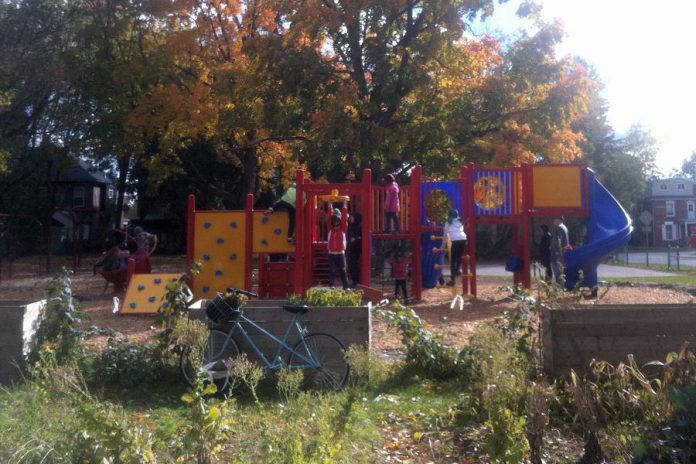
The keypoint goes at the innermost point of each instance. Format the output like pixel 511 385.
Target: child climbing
pixel 454 232
pixel 287 203
pixel 391 204
pixel 399 264
pixel 337 249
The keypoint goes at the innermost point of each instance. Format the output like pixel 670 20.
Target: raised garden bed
pixel 17 320
pixel 573 337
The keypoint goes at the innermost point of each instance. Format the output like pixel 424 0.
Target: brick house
pixel 673 204
pixel 83 200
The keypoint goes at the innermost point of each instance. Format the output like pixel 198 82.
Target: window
pixel 110 193
pixel 690 206
pixel 78 197
pixel 663 186
pixel 96 197
pixel 668 232
pixel 680 186
pixel 669 206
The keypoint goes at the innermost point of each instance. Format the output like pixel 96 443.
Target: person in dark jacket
pixel 354 250
pixel 545 252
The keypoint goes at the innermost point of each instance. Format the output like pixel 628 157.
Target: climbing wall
pixel 219 247
pixel 271 233
pixel 146 292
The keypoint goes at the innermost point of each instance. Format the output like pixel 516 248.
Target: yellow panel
pixel 219 246
pixel 557 186
pixel 146 292
pixel 271 233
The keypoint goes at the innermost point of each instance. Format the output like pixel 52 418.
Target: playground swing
pixel 137 263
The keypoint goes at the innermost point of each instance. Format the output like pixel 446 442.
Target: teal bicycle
pixel 322 356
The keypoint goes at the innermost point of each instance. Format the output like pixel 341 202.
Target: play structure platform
pixel 250 249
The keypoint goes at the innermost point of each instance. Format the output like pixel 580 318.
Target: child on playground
pixel 287 203
pixel 391 204
pixel 399 264
pixel 337 248
pixel 454 231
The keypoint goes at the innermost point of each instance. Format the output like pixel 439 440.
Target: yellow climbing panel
pixel 146 292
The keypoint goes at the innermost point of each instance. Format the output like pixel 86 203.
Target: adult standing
pixel 354 247
pixel 545 252
pixel 454 231
pixel 559 245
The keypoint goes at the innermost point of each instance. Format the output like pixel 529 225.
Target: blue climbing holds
pixel 264 242
pixel 141 287
pixel 152 299
pixel 218 273
pixel 207 225
pixel 133 305
pixel 220 240
pixel 166 305
pixel 264 220
pixel 277 231
pixel 206 257
pixel 158 280
pixel 233 224
pixel 233 256
pixel 206 289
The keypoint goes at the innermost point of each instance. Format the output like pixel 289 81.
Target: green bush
pixel 323 296
pixel 128 364
pixel 426 355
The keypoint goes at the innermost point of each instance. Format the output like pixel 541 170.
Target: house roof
pixel 80 173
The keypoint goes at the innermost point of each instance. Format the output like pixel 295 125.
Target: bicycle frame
pixel 308 362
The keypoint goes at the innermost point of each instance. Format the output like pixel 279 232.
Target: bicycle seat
pixel 296 309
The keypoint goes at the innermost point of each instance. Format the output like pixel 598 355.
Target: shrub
pixel 426 355
pixel 128 364
pixel 58 326
pixel 323 296
pixel 366 367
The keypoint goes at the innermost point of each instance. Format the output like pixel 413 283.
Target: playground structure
pixel 136 263
pixel 250 248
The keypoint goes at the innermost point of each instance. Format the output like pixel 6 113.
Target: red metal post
pixel 471 229
pixel 526 193
pixel 248 241
pixel 465 214
pixel 190 230
pixel 366 252
pixel 416 226
pixel 300 233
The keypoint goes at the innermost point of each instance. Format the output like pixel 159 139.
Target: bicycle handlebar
pixel 239 291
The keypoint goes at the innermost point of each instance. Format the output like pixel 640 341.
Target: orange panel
pixel 271 233
pixel 146 292
pixel 557 186
pixel 219 247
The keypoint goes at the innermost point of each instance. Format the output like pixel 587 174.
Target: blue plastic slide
pixel 609 228
pixel 430 274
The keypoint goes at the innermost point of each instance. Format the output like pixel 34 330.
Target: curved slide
pixel 609 228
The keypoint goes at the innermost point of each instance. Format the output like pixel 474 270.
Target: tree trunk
pixel 123 169
pixel 250 162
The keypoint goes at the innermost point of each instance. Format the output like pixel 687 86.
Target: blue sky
pixel 644 53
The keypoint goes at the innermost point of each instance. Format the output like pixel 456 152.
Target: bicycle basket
pixel 220 310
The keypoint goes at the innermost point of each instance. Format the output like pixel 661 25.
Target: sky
pixel 644 53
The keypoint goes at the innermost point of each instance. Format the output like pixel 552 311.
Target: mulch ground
pixel 453 325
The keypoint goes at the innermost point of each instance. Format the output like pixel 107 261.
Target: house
pixel 673 203
pixel 84 199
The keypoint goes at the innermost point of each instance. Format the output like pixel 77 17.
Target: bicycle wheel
pixel 194 360
pixel 330 355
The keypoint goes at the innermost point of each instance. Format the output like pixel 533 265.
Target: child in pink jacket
pixel 391 204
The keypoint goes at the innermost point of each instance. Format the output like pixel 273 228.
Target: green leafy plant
pixel 247 373
pixel 366 367
pixel 58 325
pixel 331 297
pixel 289 383
pixel 128 364
pixel 505 440
pixel 426 354
pixel 208 422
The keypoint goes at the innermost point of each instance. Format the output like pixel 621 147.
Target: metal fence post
pixel 677 258
pixel 669 257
